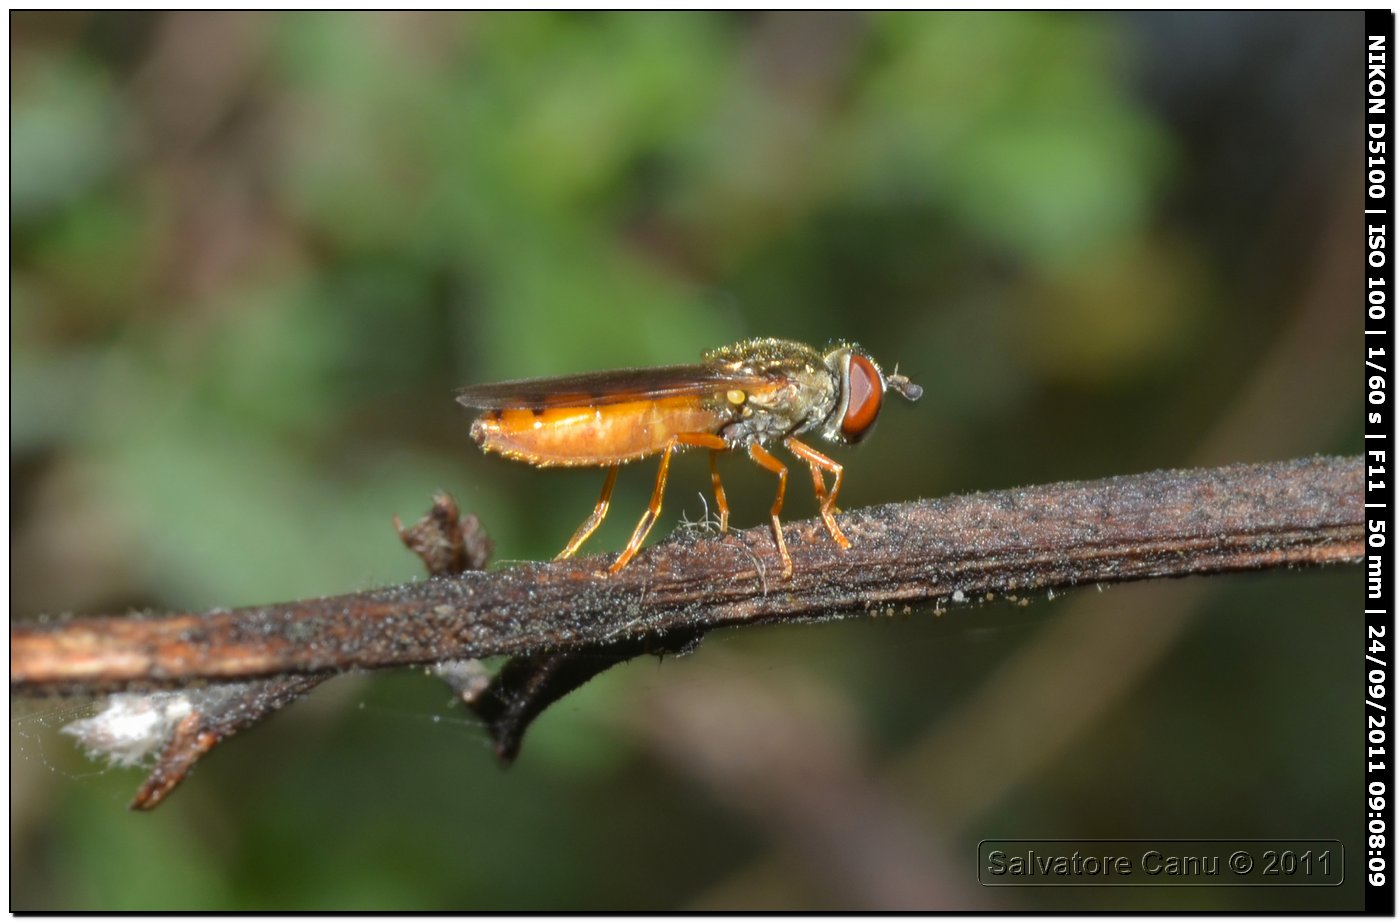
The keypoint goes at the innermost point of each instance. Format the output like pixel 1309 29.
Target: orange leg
pixel 819 462
pixel 763 458
pixel 639 534
pixel 590 524
pixel 818 484
pixel 721 502
pixel 716 445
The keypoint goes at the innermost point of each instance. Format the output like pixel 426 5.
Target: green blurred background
pixel 252 255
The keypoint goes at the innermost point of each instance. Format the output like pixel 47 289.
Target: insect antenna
pixel 903 386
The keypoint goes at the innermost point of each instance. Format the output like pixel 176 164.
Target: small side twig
pixel 508 702
pixel 527 685
pixel 447 544
pixel 208 724
pixel 934 552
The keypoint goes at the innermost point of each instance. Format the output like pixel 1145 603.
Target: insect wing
pixel 608 387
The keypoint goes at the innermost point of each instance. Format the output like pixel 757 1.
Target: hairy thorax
pixel 761 414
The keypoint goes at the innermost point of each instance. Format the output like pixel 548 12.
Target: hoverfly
pixel 741 396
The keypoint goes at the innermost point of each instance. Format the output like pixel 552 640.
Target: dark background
pixel 252 255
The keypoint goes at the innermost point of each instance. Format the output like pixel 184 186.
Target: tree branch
pixel 933 552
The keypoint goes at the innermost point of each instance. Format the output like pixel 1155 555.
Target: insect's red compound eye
pixel 864 391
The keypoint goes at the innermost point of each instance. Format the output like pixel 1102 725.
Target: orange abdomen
pixel 586 436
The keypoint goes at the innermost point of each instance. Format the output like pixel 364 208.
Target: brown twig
pixel 526 685
pixel 939 552
pixel 445 542
pixel 213 719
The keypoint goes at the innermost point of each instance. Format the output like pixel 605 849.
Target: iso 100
pixel 1289 863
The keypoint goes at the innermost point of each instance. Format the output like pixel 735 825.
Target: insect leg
pixel 648 519
pixel 590 524
pixel 699 439
pixel 721 502
pixel 818 484
pixel 716 445
pixel 819 462
pixel 766 460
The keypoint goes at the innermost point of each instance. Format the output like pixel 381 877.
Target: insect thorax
pixel 806 398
